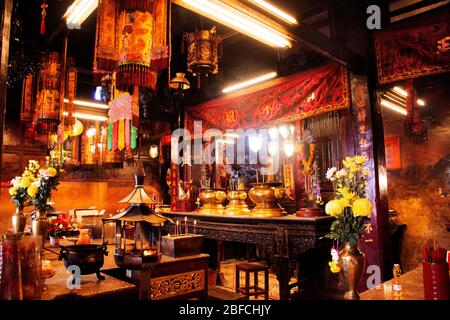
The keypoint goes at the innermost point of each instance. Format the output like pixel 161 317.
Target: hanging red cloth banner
pixel 286 99
pixel 105 55
pixel 413 121
pixel 27 98
pixel 411 53
pixel 135 38
pixel 72 75
pixel 47 100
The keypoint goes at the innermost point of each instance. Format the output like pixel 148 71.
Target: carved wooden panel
pixel 176 285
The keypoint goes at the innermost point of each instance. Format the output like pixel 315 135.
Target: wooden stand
pixel 310 212
pixel 182 245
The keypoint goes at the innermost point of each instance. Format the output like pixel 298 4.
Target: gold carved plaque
pixel 177 284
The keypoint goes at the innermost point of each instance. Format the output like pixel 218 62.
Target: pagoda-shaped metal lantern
pixel 137 233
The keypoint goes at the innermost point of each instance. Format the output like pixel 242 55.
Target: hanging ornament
pixel 47 100
pixel 204 48
pixel 44 7
pixel 134 46
pixel 69 107
pixel 121 130
pixel 77 129
pixel 105 54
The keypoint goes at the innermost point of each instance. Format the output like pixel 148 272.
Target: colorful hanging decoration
pixel 44 7
pixel 159 56
pixel 106 55
pixel 27 98
pixel 69 120
pixel 204 48
pixel 47 99
pixel 121 127
pixel 134 46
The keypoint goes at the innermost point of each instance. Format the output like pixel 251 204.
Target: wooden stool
pixel 249 267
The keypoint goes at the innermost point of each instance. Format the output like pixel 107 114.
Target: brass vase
pixel 18 220
pixel 266 196
pixel 236 205
pixel 212 200
pixel 352 262
pixel 39 224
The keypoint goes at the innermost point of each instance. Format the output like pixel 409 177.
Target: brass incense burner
pixel 212 200
pixel 237 205
pixel 266 196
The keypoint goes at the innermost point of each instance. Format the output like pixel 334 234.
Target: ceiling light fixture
pixel 239 21
pixel 250 82
pixel 404 94
pixel 393 107
pixel 89 116
pixel 275 11
pixel 88 104
pixel 78 12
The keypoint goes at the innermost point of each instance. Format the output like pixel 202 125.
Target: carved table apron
pixel 283 239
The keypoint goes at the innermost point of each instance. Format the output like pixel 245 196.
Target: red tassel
pixel 42 26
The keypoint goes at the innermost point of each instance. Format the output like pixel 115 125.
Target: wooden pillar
pixel 6 31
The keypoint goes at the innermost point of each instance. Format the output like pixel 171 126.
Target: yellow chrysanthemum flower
pixel 51 172
pixel 25 182
pixel 334 267
pixel 32 190
pixel 334 208
pixel 13 191
pixel 362 207
pixel 344 202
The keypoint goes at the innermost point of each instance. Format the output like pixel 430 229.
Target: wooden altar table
pixel 285 240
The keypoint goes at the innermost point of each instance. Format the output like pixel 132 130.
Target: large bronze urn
pixel 212 200
pixel 266 196
pixel 236 205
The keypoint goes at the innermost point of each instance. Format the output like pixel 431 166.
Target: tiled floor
pixel 228 269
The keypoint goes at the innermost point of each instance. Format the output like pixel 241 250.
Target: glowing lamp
pixel 289 148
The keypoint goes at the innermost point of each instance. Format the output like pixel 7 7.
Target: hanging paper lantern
pixel 77 129
pixel 134 46
pixel 203 51
pixel 121 129
pixel 47 100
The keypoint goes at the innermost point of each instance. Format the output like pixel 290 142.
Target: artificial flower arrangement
pixel 350 207
pixel 60 226
pixel 20 185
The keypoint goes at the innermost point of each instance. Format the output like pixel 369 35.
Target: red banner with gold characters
pixel 286 99
pixel 27 98
pixel 411 53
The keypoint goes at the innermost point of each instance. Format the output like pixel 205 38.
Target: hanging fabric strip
pixel 135 106
pixel 127 134
pixel 105 54
pixel 133 137
pixel 159 58
pixel 121 135
pixel 110 136
pixel 115 135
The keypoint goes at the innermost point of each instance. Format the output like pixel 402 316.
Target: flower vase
pixel 436 281
pixel 39 224
pixel 18 220
pixel 54 242
pixel 351 261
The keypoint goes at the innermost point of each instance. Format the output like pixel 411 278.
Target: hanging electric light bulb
pixel 91 132
pixel 255 143
pixel 289 148
pixel 153 151
pixel 272 146
pixel 284 131
pixel 273 133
